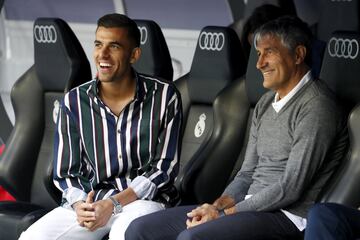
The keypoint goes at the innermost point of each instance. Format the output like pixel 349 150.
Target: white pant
pixel 61 223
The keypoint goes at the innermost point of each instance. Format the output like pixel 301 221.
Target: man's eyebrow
pixel 271 48
pixel 112 43
pixel 115 43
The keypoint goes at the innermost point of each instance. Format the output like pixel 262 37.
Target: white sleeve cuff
pixel 143 187
pixel 73 195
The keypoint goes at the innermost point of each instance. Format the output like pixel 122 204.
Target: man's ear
pixel 135 55
pixel 300 54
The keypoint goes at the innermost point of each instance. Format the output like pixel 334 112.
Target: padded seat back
pixel 254 90
pixel 5 123
pixel 155 58
pixel 211 116
pixel 337 15
pixel 341 70
pixel 60 64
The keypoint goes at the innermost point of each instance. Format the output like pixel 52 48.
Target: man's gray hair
pixel 292 32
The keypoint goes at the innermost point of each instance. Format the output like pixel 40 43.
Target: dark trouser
pixel 332 221
pixel 170 224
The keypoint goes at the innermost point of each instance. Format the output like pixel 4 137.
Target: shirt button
pixel 120 157
pixel 119 131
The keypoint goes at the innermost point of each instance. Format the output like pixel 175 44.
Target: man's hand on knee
pixel 103 210
pixel 202 214
pixel 85 211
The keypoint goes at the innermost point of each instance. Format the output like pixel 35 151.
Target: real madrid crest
pixel 200 126
pixel 56 110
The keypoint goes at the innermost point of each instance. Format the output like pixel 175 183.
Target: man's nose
pixel 260 62
pixel 104 52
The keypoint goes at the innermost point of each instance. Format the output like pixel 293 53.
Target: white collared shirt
pixel 279 104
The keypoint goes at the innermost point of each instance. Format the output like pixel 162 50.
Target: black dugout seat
pixel 26 165
pixel 5 123
pixel 155 58
pixel 253 81
pixel 337 15
pixel 214 115
pixel 341 70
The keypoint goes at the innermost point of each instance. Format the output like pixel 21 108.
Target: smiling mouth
pixel 266 73
pixel 105 65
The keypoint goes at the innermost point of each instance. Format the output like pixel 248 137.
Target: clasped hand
pixel 93 215
pixel 202 214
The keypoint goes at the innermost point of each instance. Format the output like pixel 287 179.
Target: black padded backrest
pixel 346 181
pixel 217 63
pixel 218 60
pixel 60 64
pixel 71 68
pixel 341 66
pixel 254 79
pixel 254 90
pixel 66 55
pixel 5 123
pixel 337 15
pixel 155 58
pixel 341 70
pixel 287 5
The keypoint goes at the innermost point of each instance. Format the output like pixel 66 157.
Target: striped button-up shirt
pixel 97 150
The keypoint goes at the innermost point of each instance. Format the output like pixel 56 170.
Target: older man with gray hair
pixel 298 135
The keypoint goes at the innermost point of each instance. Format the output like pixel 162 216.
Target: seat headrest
pixel 217 61
pixel 341 66
pixel 155 58
pixel 254 79
pixel 337 15
pixel 60 61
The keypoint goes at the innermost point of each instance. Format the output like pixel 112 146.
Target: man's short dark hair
pixel 116 20
pixel 292 32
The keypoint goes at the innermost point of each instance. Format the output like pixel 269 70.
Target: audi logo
pixel 343 48
pixel 143 34
pixel 211 41
pixel 45 34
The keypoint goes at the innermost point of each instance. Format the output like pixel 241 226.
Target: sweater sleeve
pixel 315 129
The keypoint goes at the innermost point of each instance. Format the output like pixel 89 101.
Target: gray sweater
pixel 291 154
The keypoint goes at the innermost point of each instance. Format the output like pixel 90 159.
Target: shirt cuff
pixel 73 195
pixel 143 187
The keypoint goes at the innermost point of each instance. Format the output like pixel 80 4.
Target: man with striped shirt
pixel 117 143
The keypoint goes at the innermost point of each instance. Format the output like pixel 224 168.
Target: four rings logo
pixel 211 41
pixel 343 48
pixel 143 34
pixel 45 34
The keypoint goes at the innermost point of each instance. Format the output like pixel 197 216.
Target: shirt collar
pixel 140 88
pixel 279 104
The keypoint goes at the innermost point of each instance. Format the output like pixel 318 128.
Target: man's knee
pixel 136 229
pixel 322 211
pixel 186 235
